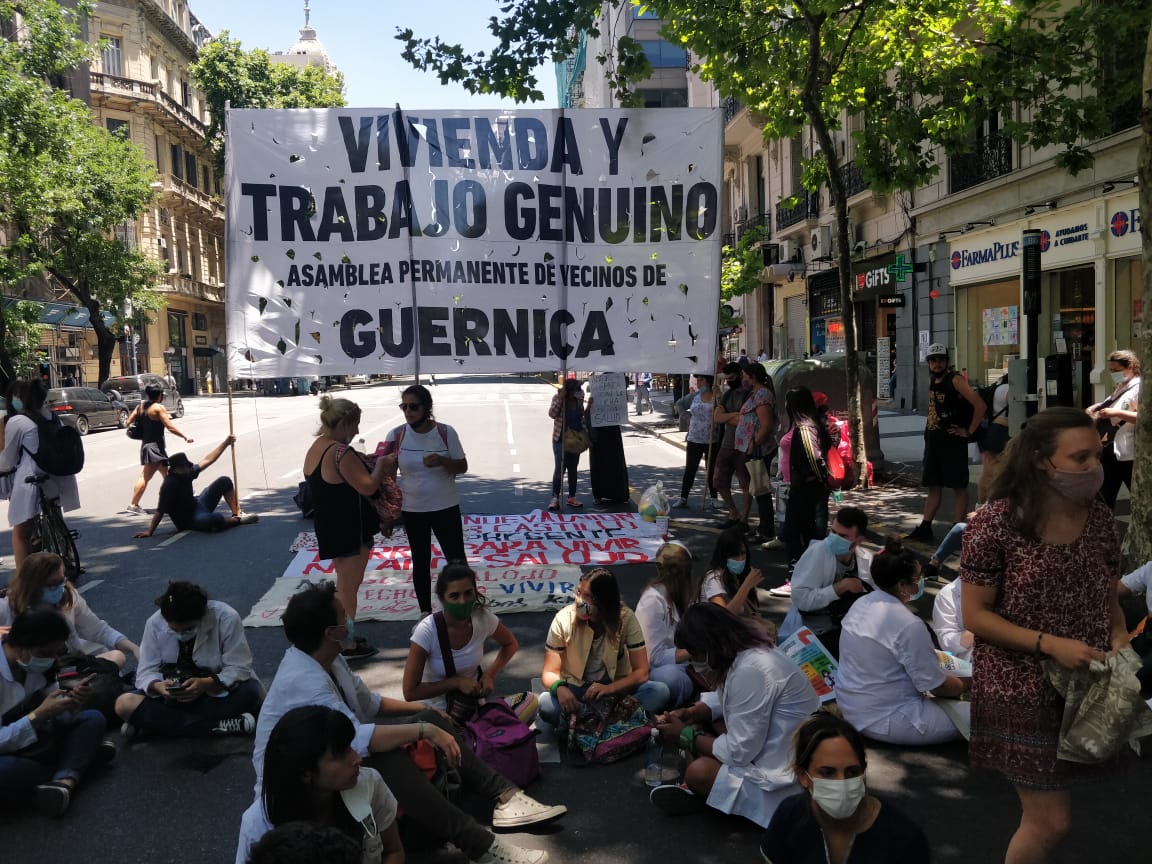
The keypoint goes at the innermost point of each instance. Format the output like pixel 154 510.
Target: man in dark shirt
pixel 191 512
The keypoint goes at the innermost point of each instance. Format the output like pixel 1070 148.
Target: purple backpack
pixel 504 742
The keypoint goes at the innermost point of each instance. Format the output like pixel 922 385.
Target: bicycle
pixel 52 534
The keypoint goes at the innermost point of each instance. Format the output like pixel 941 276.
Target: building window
pixel 190 168
pixel 664 55
pixel 110 57
pixel 199 321
pixel 153 68
pixel 125 232
pixel 118 127
pixel 640 12
pixel 180 259
pixel 177 162
pixel 185 94
pixel 665 98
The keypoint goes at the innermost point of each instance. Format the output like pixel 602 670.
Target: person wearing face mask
pixel 466 623
pixel 195 675
pixel 836 820
pixel 830 576
pixel 595 648
pixel 731 579
pixel 312 774
pixel 739 766
pixel 1116 421
pixel 888 661
pixel 659 609
pixel 429 457
pixel 49 739
pixel 1041 566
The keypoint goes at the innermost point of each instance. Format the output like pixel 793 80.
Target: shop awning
pixel 206 352
pixel 63 314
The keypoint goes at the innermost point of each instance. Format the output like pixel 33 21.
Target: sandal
pixel 358 650
pixel 574 502
pixel 555 505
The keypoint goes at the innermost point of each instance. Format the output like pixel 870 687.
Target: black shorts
pixel 945 461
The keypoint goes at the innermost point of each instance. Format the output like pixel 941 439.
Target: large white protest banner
pixel 387 241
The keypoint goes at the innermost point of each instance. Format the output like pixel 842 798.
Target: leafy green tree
pixel 66 184
pixel 225 73
pixel 921 73
pixel 20 330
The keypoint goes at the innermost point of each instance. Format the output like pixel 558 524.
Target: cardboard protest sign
pixel 609 394
pixel 387 241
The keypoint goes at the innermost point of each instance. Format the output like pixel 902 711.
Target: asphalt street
pixel 180 802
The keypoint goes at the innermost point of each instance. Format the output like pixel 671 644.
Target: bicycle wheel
pixel 55 537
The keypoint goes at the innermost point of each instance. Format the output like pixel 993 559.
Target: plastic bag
pixel 654 509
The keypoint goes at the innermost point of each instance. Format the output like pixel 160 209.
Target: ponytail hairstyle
pixel 892 565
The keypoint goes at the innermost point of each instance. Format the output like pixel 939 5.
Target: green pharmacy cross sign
pixel 900 268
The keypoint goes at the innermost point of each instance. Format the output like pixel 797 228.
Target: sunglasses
pixel 409 406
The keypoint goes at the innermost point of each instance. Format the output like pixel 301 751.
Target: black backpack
pixel 988 394
pixel 61 451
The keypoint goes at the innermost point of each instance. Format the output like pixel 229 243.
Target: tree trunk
pixel 1137 547
pixel 810 100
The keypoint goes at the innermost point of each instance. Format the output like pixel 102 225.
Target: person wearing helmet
pixel 954 413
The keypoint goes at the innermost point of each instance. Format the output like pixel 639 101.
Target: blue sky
pixel 358 35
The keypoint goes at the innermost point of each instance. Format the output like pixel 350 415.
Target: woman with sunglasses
pixel 313 774
pixel 428 456
pixel 345 521
pixel 595 648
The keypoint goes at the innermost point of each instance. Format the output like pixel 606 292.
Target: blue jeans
pixel 654 696
pixel 206 518
pixel 564 462
pixel 950 545
pixel 169 719
pixel 65 756
pixel 675 677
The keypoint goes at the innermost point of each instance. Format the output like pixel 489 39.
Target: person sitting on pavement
pixel 659 609
pixel 313 672
pixel 313 774
pixel 305 843
pixel 195 675
pixel 830 576
pixel 954 414
pixel 191 512
pixel 49 740
pixel 948 547
pixel 761 696
pixel 948 622
pixel 40 582
pixel 467 623
pixel 888 661
pixel 595 648
pixel 1139 581
pixel 836 820
pixel 731 579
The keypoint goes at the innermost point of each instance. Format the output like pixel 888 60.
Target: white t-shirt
pixel 425 489
pixel 1124 442
pixel 712 586
pixel 948 620
pixel 1139 581
pixel 484 624
pixel 887 661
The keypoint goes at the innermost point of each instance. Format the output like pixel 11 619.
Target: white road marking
pixel 512 452
pixel 83 588
pixel 293 473
pixel 515 467
pixel 508 422
pixel 172 539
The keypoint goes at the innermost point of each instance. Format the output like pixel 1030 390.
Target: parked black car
pixel 129 388
pixel 86 408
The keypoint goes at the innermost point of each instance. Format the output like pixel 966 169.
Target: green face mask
pixel 459 611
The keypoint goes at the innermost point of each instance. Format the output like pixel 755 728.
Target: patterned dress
pixel 1062 590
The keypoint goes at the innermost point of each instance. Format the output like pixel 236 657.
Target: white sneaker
pixel 502 853
pixel 520 810
pixel 134 509
pixel 784 590
pixel 773 544
pixel 245 724
pixel 247 518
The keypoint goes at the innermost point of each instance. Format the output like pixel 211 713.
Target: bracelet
pixel 688 739
pixel 420 734
pixel 557 684
pixel 1039 636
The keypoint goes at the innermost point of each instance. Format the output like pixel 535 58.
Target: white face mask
pixel 838 798
pixel 1119 377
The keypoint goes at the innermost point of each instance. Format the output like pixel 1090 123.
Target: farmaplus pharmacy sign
pixel 392 242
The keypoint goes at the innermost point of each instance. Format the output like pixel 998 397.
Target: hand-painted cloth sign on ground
pixel 388 595
pixel 381 240
pixel 537 539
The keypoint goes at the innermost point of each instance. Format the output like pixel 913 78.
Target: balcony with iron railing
pixel 760 220
pixel 807 208
pixel 188 194
pixel 149 94
pixel 854 182
pixel 991 157
pixel 732 107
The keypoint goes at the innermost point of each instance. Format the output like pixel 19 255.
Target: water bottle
pixel 837 496
pixel 654 765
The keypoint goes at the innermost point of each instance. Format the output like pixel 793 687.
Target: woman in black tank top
pixel 154 418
